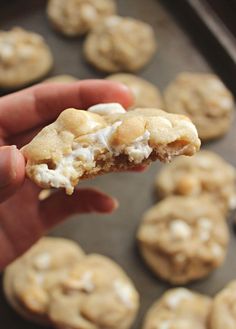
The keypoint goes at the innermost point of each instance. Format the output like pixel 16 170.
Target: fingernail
pixel 112 205
pixel 115 203
pixel 8 164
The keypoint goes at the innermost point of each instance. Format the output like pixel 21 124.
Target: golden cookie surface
pixel 183 238
pixel 204 99
pixel 179 308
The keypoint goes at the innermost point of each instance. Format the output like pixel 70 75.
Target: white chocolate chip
pixel 205 226
pixel 165 325
pixel 107 109
pixel 180 230
pixel 203 162
pixel 226 103
pixel 216 85
pixel 112 21
pixel 217 250
pixel 42 261
pixel 205 223
pixel 204 236
pixel 6 50
pixel 177 297
pixel 88 12
pixel 232 202
pixel 164 122
pixel 125 292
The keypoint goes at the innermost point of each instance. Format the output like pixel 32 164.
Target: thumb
pixel 12 171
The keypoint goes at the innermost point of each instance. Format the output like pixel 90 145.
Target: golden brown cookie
pixel 144 92
pixel 183 238
pixel 223 314
pixel 82 144
pixel 77 17
pixel 24 58
pixel 29 280
pixel 206 173
pixel 179 308
pixel 204 99
pixel 96 294
pixel 120 44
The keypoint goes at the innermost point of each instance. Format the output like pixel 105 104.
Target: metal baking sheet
pixel 114 235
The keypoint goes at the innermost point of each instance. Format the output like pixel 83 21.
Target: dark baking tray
pixel 114 235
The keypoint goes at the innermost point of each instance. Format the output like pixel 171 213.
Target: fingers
pixel 58 206
pixel 12 171
pixel 23 138
pixel 42 103
pixel 139 168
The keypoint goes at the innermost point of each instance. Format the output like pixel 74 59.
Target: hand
pixel 23 218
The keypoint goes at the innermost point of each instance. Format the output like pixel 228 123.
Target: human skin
pixel 23 217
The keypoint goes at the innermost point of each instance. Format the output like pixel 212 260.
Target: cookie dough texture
pixel 96 294
pixel 83 144
pixel 183 238
pixel 144 92
pixel 120 44
pixel 63 78
pixel 205 99
pixel 206 173
pixel 28 281
pixel 77 17
pixel 223 313
pixel 24 58
pixel 179 309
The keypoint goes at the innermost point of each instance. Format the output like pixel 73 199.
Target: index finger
pixel 42 103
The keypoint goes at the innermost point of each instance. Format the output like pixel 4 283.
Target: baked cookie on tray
pixel 96 294
pixel 144 92
pixel 81 144
pixel 120 44
pixel 77 17
pixel 63 78
pixel 206 173
pixel 29 280
pixel 183 238
pixel 24 58
pixel 223 314
pixel 204 99
pixel 179 308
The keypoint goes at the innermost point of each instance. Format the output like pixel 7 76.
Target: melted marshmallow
pixel 180 230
